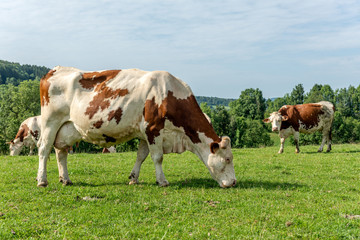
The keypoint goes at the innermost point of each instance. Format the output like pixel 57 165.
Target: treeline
pixel 243 120
pixel 240 119
pixel 213 101
pixel 14 73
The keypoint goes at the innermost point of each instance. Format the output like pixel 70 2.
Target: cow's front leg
pixel 160 177
pixel 61 156
pixel 282 141
pixel 142 153
pixel 296 139
pixel 31 150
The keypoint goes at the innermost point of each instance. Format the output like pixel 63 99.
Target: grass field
pixel 308 195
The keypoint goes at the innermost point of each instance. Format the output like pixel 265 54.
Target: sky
pixel 219 47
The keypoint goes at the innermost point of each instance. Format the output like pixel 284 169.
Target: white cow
pixel 28 135
pixel 114 106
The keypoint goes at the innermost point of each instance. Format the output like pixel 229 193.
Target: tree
pixel 314 95
pixel 250 104
pixel 297 95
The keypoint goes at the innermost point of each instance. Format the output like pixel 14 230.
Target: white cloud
pixel 224 39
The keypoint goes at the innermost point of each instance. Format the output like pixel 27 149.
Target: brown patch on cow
pixel 35 134
pixel 115 114
pixel 91 79
pixel 22 133
pixel 44 88
pixel 105 150
pixel 104 94
pixel 108 138
pixel 98 124
pixel 184 113
pixel 307 114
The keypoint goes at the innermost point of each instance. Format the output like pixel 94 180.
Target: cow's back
pixel 308 117
pixel 108 106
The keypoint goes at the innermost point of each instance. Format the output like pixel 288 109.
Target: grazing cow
pixel 28 135
pixel 114 106
pixel 111 149
pixel 303 118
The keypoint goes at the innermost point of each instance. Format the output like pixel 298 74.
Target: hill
pixel 15 73
pixel 214 101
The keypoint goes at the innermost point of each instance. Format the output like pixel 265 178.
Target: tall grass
pixel 308 195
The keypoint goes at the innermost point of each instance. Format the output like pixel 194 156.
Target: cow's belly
pixel 304 129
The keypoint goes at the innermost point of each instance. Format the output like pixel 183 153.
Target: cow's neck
pixel 202 149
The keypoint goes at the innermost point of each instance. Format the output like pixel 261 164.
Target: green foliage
pixel 17 103
pixel 250 104
pixel 213 101
pixel 287 196
pixel 14 73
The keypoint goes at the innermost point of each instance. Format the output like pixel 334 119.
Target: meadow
pixel 308 195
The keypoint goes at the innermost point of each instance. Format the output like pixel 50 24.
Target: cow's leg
pixel 324 140
pixel 329 139
pixel 61 156
pixel 142 153
pixel 296 139
pixel 282 141
pixel 157 157
pixel 46 143
pixel 31 149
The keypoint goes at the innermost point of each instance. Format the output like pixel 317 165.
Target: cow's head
pixel 220 163
pixel 275 118
pixel 15 147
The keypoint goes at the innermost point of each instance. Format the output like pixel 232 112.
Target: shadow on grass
pixel 246 184
pixel 204 183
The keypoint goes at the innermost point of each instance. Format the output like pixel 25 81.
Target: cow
pixel 303 118
pixel 111 149
pixel 113 106
pixel 28 135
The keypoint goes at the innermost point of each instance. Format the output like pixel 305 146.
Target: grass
pixel 308 196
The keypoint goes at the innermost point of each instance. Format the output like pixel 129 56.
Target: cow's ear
pixel 266 120
pixel 214 147
pixel 285 118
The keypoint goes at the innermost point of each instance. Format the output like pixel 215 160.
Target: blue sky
pixel 219 48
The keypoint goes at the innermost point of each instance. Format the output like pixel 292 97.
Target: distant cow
pixel 114 106
pixel 111 149
pixel 304 118
pixel 28 135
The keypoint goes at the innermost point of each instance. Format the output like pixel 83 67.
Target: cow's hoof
pixel 42 184
pixel 133 182
pixel 280 152
pixel 328 150
pixel 65 182
pixel 320 150
pixel 163 184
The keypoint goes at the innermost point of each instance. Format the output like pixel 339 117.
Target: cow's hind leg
pixel 61 156
pixel 296 139
pixel 47 140
pixel 142 153
pixel 324 140
pixel 329 139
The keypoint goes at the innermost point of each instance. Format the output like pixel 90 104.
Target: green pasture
pixel 307 196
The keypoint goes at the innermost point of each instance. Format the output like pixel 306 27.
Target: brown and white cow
pixel 111 149
pixel 28 135
pixel 303 118
pixel 114 106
